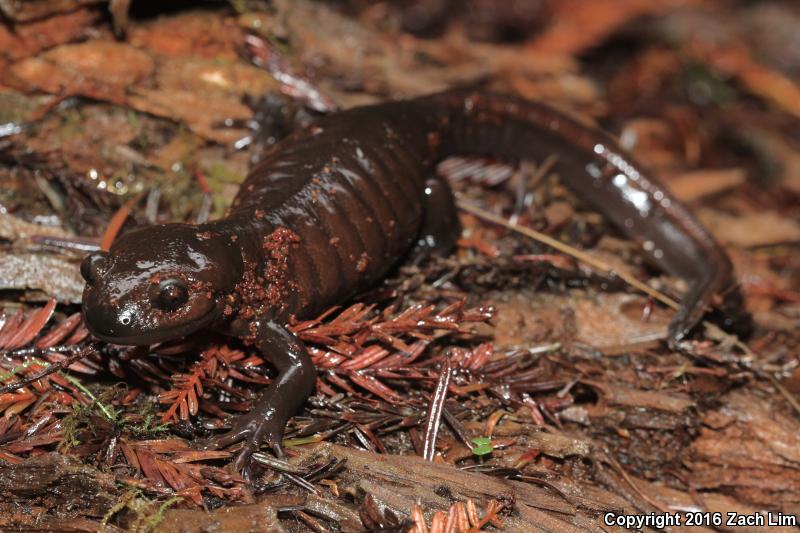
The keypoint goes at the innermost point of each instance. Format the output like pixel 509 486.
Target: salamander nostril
pixel 125 317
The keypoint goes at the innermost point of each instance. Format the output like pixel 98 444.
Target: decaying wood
pixel 242 519
pixel 53 486
pixel 400 481
pixel 750 451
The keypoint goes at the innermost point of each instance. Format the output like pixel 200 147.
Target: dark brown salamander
pixel 333 207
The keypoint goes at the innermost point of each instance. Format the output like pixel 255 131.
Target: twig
pixel 435 411
pixel 47 370
pixel 117 221
pixel 632 484
pixel 569 250
pixel 782 390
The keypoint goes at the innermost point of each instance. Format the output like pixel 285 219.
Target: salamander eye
pixel 91 265
pixel 172 293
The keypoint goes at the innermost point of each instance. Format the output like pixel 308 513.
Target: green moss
pixel 152 521
pixel 147 513
pixel 706 86
pixel 219 173
pixel 73 121
pixel 150 422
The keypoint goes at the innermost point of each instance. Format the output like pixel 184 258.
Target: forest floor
pixel 557 397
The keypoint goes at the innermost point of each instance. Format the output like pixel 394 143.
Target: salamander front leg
pixel 440 226
pixel 265 423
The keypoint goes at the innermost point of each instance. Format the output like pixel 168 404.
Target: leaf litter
pixel 509 359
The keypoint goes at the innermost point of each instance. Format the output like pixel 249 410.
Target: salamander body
pixel 333 207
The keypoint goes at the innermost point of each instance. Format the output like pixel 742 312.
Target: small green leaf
pixel 482 445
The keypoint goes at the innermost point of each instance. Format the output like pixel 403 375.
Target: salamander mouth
pixel 154 337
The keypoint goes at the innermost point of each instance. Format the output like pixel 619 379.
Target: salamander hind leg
pixel 730 313
pixel 440 225
pixel 266 422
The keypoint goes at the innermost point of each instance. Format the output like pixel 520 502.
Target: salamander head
pixel 158 283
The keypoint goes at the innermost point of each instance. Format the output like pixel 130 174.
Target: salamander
pixel 332 207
